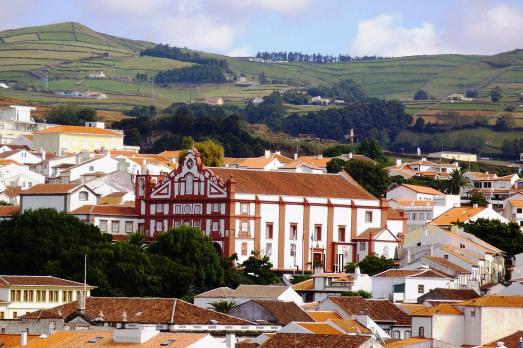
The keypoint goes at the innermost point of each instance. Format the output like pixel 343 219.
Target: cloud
pixel 282 6
pixel 384 35
pixel 242 51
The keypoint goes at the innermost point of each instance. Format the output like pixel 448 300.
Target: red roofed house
pixel 62 197
pixel 296 219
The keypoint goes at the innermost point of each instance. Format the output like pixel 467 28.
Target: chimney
pixel 357 273
pixel 295 156
pixel 489 205
pixel 408 255
pixel 398 162
pixel 350 155
pixel 475 205
pixel 500 344
pixel 230 340
pixel 267 154
pixel 423 158
pixel 320 156
pixel 23 338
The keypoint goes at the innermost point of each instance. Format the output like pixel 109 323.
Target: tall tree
pixel 372 177
pixel 457 181
pixel 421 95
pixel 258 270
pixel 372 149
pixel 191 248
pixel 371 265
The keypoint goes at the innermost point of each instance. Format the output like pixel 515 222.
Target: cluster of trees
pixel 421 95
pixel 377 119
pixel 170 129
pixel 181 262
pixel 71 115
pixel 496 94
pixel 166 51
pixel 192 74
pixel 371 265
pixel 142 111
pixel 296 97
pixel 346 90
pixel 505 236
pixel 512 147
pixel 311 58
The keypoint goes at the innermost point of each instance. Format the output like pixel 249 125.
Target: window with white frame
pixel 83 196
pixel 363 246
pixel 244 208
pixel 128 227
pixel 103 225
pixel 368 216
pixel 115 226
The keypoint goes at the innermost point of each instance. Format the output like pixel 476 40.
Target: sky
pixel 244 27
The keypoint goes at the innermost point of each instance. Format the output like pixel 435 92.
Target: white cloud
pixel 241 51
pixel 129 6
pixel 283 6
pixel 385 36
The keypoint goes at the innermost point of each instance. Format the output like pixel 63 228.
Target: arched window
pixel 407 334
pixel 188 184
pixel 396 334
pixel 83 196
pixel 421 331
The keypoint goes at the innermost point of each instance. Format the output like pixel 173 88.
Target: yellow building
pixel 62 139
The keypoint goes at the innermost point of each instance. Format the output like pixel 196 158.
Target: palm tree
pixel 457 180
pixel 223 306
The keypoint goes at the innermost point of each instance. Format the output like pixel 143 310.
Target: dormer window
pixel 83 196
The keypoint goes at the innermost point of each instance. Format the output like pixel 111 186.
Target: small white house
pixel 62 197
pixel 21 156
pixel 16 113
pixel 103 164
pixel 406 285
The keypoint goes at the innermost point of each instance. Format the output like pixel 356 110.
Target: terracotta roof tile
pixel 322 316
pixel 294 184
pixel 256 163
pixel 260 291
pixel 299 163
pixel 284 312
pixel 423 189
pixel 113 210
pixel 315 161
pixel 350 326
pixel 304 285
pixel 222 292
pixel 406 342
pixel 447 264
pixel 494 301
pixel 443 294
pixel 280 340
pixel 50 189
pixel 22 280
pixel 141 311
pixel 510 341
pixel 321 328
pixel 79 130
pixel 458 214
pixel 13 340
pixel 9 210
pixel 397 273
pixel 378 310
pixel 442 309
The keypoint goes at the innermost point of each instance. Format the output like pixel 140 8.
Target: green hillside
pixel 68 52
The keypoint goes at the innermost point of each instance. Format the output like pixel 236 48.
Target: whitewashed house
pixel 62 197
pixel 21 156
pixel 495 189
pixel 103 164
pixel 18 175
pixel 20 295
pixel 466 214
pixel 406 285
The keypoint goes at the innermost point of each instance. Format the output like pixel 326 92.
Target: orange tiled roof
pixel 406 342
pixel 171 153
pixel 458 214
pixel 256 163
pixel 315 161
pixel 9 210
pixel 447 264
pixel 79 130
pixel 423 189
pixel 283 312
pixel 294 184
pixel 322 316
pixel 516 203
pixel 397 273
pixel 320 328
pixel 13 340
pixel 416 203
pixel 378 310
pixel 113 210
pixel 299 163
pixel 279 340
pixel 494 301
pixel 442 309
pixel 510 341
pixel 304 285
pixel 80 338
pixel 50 189
pixel 17 280
pixel 141 311
pixel 350 326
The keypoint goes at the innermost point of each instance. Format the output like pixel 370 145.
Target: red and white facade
pixel 296 219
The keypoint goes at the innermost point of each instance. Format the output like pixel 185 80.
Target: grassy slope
pixel 71 51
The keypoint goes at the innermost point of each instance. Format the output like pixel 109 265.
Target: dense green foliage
pixel 479 199
pixel 372 177
pixel 191 248
pixel 223 306
pixel 496 94
pixel 372 149
pixel 211 153
pixel 199 121
pixel 335 165
pixel 301 277
pixel 71 115
pixel 258 270
pixel 58 245
pixel 421 95
pixel 271 111
pixel 143 111
pixel 457 181
pixel 311 58
pixel 296 98
pixel 504 236
pixel 166 51
pixel 361 293
pixel 192 74
pixel 346 90
pixel 337 150
pixel 377 119
pixel 371 265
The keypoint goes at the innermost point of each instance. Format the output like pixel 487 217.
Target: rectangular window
pixel 477 185
pixel 317 233
pixel 421 289
pixel 197 209
pixel 268 230
pixel 115 226
pixel 519 210
pixel 16 295
pixel 177 209
pixel 53 296
pixel 2 315
pixel 103 225
pixel 159 208
pixel 128 227
pixel 15 315
pixel 244 208
pixel 368 216
pixel 40 296
pixel 83 196
pixel 245 226
pixel 67 296
pixel 363 246
pixel 28 296
pixel 293 250
pixel 159 226
pixel 244 249
pixel 293 232
pixel 215 207
pixel 215 226
pixel 268 249
pixel 341 234
pixel 488 184
pixel 197 223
